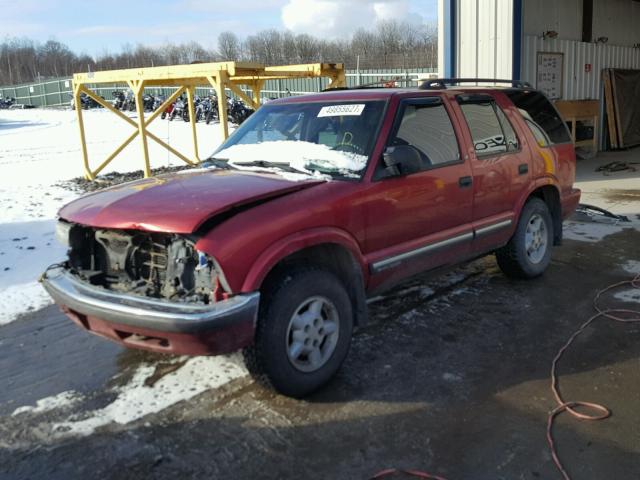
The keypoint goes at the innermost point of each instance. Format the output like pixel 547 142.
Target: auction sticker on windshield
pixel 341 110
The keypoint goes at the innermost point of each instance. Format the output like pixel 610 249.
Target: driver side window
pixel 428 128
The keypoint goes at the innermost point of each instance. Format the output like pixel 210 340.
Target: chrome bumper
pixel 153 314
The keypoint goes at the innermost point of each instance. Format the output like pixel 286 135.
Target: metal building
pixel 508 39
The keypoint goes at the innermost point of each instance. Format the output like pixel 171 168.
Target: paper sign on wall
pixel 549 74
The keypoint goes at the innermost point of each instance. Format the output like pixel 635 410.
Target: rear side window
pixel 490 129
pixel 428 128
pixel 536 109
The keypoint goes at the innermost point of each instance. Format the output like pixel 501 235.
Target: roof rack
pixel 364 86
pixel 441 83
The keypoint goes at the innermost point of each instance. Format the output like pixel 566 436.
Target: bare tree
pixel 229 46
pixel 389 44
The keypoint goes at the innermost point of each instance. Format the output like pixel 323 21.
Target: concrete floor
pixel 618 192
pixel 451 377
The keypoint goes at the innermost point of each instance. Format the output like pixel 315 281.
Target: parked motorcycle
pixel 211 109
pixel 157 101
pixel 118 99
pixel 7 102
pixel 148 101
pixel 179 109
pixel 86 102
pixel 238 111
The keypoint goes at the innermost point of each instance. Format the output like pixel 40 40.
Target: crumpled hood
pixel 177 203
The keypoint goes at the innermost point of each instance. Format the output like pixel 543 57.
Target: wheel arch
pixel 550 195
pixel 331 249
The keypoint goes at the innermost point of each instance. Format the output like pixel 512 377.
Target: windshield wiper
pixel 265 164
pixel 218 163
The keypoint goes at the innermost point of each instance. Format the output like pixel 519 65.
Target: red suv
pixel 312 205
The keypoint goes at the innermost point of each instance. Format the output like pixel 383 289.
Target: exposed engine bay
pixel 158 265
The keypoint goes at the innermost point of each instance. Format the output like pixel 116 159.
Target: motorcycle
pixel 211 109
pixel 118 100
pixel 238 111
pixel 148 101
pixel 86 102
pixel 129 102
pixel 179 109
pixel 157 101
pixel 7 102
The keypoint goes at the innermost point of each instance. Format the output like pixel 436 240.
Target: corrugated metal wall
pixel 577 83
pixel 485 32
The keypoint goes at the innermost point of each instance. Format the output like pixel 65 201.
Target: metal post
pixel 192 120
pixel 138 89
pixel 88 174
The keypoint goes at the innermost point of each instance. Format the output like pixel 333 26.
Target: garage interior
pixel 584 54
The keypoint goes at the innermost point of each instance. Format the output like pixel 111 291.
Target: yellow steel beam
pixel 192 119
pixel 138 90
pixel 245 98
pixel 153 137
pixel 218 82
pixel 167 73
pixel 77 89
pixel 220 75
pixel 256 88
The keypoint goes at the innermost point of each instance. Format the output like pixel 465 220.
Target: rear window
pixel 537 110
pixel 490 129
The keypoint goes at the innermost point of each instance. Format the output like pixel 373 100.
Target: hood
pixel 177 203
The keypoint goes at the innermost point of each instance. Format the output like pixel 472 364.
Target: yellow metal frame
pixel 221 76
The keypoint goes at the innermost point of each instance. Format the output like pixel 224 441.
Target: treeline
pixel 390 44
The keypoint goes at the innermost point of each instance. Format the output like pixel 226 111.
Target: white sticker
pixel 341 110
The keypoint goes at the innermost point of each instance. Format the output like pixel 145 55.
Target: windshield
pixel 311 138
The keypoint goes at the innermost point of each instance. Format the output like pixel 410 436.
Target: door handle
pixel 465 182
pixel 523 169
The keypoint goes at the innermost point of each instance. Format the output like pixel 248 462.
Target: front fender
pixel 286 246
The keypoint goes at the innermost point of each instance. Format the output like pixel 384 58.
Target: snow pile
pixel 303 156
pixel 40 148
pixel 136 399
pixel 64 399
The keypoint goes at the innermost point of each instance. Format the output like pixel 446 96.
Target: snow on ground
pixel 630 296
pixel 589 232
pixel 136 399
pixel 61 400
pixel 38 149
pixel 632 266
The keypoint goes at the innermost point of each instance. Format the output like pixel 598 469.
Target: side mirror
pixel 402 160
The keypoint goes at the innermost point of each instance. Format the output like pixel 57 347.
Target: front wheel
pixel 303 332
pixel 528 253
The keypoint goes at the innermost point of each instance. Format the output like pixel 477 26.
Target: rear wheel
pixel 303 332
pixel 528 253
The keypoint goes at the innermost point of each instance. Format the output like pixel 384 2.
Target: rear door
pixel 423 220
pixel 500 168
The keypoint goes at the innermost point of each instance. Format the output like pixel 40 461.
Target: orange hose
pixel 598 412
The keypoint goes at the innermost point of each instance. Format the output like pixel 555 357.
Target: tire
pixel 294 296
pixel 534 232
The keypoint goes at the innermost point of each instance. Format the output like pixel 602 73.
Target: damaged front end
pixel 156 265
pixel 153 291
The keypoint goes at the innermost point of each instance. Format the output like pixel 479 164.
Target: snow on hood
pixel 303 156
